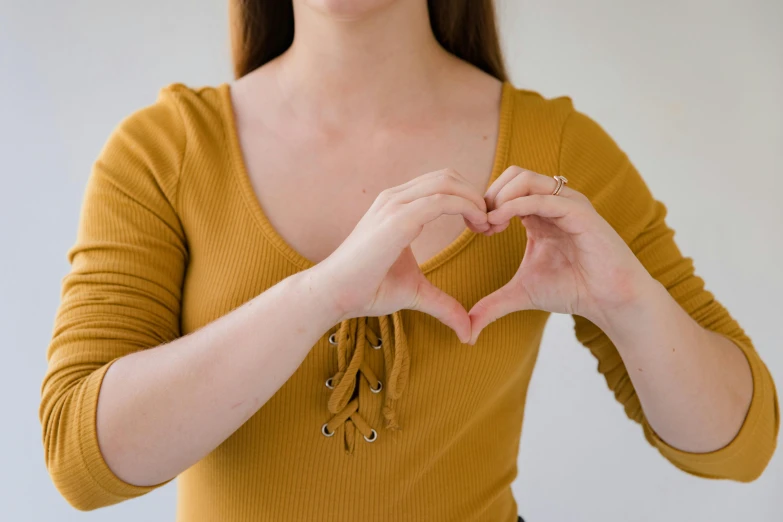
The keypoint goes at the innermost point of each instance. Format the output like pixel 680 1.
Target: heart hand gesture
pixel 574 261
pixel 373 272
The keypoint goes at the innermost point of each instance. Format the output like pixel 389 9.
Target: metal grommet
pixel 330 383
pixel 325 431
pixel 372 438
pixel 378 389
pixel 333 338
pixel 378 347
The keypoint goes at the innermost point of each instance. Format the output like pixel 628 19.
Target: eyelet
pixel 333 338
pixel 325 431
pixel 378 389
pixel 372 438
pixel 378 347
pixel 330 383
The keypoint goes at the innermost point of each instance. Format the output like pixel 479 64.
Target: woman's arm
pixel 161 410
pixel 127 404
pixel 694 384
pixel 673 355
pixel 122 295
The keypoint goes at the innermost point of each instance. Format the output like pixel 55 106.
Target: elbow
pixel 63 457
pixel 744 471
pixel 749 476
pixel 69 474
pixel 79 494
pixel 69 461
pixel 764 441
pixel 756 465
pixel 745 463
pixel 74 476
pixel 73 456
pixel 748 473
pixel 744 459
pixel 74 494
pixel 81 505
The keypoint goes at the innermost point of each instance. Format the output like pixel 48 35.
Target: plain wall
pixel 691 89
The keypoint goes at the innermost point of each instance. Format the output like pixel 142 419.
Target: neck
pixel 366 66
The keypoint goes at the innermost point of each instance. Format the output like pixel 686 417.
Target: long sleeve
pixel 122 293
pixel 603 173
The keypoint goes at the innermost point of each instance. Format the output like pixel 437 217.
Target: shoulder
pixel 557 125
pixel 531 109
pixel 559 115
pixel 180 110
pixel 579 148
pixel 552 136
pixel 178 115
pixel 152 142
pixel 531 128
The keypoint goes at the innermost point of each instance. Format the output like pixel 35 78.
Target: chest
pixel 315 186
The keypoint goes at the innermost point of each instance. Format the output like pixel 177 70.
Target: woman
pixel 274 295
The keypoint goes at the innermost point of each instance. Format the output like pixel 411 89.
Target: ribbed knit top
pixel 421 428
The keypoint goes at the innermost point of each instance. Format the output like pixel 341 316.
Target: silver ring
pixel 377 390
pixel 333 339
pixel 325 431
pixel 378 347
pixel 373 438
pixel 330 383
pixel 561 180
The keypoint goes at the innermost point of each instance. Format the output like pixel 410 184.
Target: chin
pixel 348 8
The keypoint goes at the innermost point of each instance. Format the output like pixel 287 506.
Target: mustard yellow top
pixel 172 237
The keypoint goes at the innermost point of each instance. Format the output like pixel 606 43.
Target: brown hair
pixel 262 30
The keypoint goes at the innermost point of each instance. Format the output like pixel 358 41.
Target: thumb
pixel 506 299
pixel 435 302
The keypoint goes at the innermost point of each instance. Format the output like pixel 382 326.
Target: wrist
pixel 645 295
pixel 315 286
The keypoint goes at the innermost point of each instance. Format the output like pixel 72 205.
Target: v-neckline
pixel 253 204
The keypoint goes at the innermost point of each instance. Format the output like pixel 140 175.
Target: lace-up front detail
pixel 352 340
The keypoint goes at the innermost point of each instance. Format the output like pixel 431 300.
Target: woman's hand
pixel 574 262
pixel 373 272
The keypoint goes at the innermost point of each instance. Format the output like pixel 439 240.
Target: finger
pixel 496 229
pixel 447 181
pixel 556 208
pixel 518 182
pixel 417 179
pixel 507 175
pixel 502 301
pixel 527 183
pixel 443 307
pixel 429 175
pixel 524 184
pixel 429 208
pixel 478 229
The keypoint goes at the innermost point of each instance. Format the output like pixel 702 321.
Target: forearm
pixel 163 409
pixel 694 385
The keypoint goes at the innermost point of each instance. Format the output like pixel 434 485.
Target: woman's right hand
pixel 373 272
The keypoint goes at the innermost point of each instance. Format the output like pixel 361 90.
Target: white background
pixel 691 89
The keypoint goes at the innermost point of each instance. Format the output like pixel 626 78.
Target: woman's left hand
pixel 574 262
